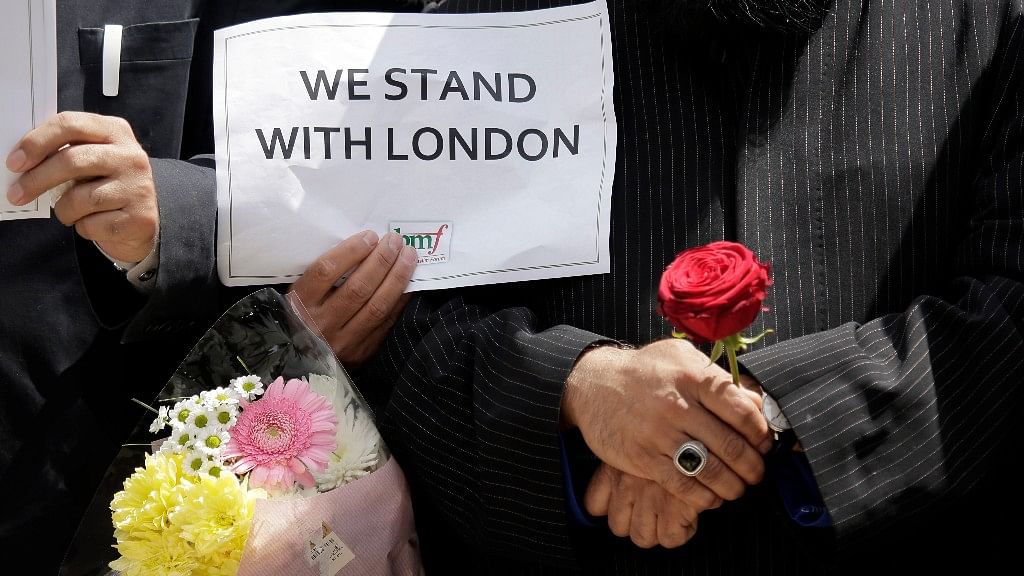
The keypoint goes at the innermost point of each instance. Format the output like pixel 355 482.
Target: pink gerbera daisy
pixel 283 436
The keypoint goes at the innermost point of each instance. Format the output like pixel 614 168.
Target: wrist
pixel 594 360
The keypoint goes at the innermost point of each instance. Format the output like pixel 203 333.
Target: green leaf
pixel 681 335
pixel 717 351
pixel 754 340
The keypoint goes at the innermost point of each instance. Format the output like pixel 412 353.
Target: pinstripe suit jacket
pixel 878 164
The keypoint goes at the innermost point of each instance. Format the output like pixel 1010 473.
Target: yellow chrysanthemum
pixel 155 553
pixel 149 495
pixel 215 515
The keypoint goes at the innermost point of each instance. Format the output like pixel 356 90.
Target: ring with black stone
pixel 691 458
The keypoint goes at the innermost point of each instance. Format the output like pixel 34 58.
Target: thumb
pixel 599 491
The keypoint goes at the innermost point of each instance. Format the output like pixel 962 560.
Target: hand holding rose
pixel 636 407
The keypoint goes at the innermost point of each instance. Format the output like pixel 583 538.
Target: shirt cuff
pixel 572 488
pixel 142 274
pixel 800 496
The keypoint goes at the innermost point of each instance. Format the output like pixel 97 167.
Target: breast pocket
pixel 155 62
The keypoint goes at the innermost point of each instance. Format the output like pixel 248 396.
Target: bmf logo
pixel 432 240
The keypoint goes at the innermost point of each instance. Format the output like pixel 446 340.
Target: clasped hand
pixel 635 408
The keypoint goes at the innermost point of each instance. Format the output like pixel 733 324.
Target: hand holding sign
pixel 356 316
pixel 113 198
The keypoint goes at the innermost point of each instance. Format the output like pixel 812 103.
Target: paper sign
pixel 28 87
pixel 486 140
pixel 327 552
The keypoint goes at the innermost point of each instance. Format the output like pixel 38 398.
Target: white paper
pixel 494 220
pixel 28 87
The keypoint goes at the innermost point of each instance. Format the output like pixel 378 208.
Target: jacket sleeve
pixel 185 295
pixel 469 398
pixel 902 414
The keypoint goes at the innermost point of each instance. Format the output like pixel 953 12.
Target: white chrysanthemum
pixel 200 420
pixel 181 440
pixel 357 454
pixel 247 386
pixel 212 466
pixel 219 396
pixel 211 442
pixel 326 387
pixel 194 463
pixel 180 412
pixel 160 421
pixel 225 415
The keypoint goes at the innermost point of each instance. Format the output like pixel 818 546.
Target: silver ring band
pixel 691 457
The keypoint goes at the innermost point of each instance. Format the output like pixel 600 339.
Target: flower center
pixel 276 433
pixel 183 415
pixel 202 421
pixel 213 442
pixel 224 417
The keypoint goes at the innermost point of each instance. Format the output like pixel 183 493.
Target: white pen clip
pixel 112 59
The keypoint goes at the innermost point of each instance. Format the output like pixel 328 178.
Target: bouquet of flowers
pixel 269 463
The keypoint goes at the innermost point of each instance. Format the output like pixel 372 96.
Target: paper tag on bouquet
pixel 327 551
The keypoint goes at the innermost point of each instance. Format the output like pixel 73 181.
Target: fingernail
pixel 408 255
pixel 371 238
pixel 394 241
pixel 16 161
pixel 15 194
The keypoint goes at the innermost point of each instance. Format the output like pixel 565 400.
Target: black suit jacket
pixel 76 341
pixel 65 380
pixel 877 163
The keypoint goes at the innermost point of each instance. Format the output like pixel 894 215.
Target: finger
pixel 688 489
pixel 754 395
pixel 371 344
pixel 721 479
pixel 675 530
pixel 724 442
pixel 620 505
pixel 599 492
pixel 734 406
pixel 643 525
pixel 106 226
pixel 83 162
pixel 317 282
pixel 89 198
pixel 716 481
pixel 385 303
pixel 345 302
pixel 64 129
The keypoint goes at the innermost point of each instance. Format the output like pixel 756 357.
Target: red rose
pixel 713 291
